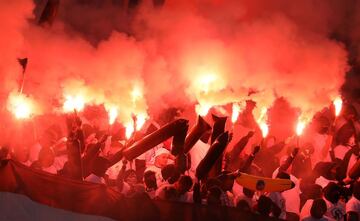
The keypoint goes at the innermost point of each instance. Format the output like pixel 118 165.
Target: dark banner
pixel 100 200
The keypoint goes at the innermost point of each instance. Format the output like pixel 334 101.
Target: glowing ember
pixel 300 127
pixel 113 113
pixel 338 105
pixel 20 106
pixel 73 103
pixel 235 112
pixel 202 109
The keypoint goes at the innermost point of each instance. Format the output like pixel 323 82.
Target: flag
pixel 49 13
pixel 23 62
pixel 53 197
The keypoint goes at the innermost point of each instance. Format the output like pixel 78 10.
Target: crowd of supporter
pixel 322 191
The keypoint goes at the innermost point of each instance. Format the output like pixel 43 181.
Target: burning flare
pixel 136 94
pixel 129 129
pixel 338 105
pixel 205 81
pixel 300 127
pixel 236 108
pixel 264 127
pixel 73 103
pixel 113 113
pixel 202 109
pixel 136 124
pixel 20 105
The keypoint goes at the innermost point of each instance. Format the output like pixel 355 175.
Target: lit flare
pixel 113 113
pixel 73 103
pixel 236 108
pixel 264 127
pixel 338 105
pixel 21 106
pixel 202 109
pixel 300 127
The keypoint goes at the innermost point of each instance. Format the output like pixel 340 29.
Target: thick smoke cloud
pixel 104 52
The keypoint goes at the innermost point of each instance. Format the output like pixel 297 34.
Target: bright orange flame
pixel 300 127
pixel 338 105
pixel 129 129
pixel 73 103
pixel 140 120
pixel 264 127
pixel 136 94
pixel 206 80
pixel 20 105
pixel 236 108
pixel 202 109
pixel 113 113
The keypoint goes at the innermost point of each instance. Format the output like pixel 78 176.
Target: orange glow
pixel 136 94
pixel 236 108
pixel 338 105
pixel 20 105
pixel 73 103
pixel 205 81
pixel 264 127
pixel 129 129
pixel 113 113
pixel 140 120
pixel 202 109
pixel 300 127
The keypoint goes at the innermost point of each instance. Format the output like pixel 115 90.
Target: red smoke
pixel 277 48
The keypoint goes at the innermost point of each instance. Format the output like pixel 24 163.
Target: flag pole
pixel 23 62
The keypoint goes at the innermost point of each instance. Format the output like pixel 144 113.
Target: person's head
pixel 168 171
pixel 4 151
pixel 264 205
pixel 243 205
pixel 313 191
pixel 184 184
pixel 161 158
pixel 213 196
pixel 332 192
pixel 318 208
pixel 227 180
pixel 170 193
pixel 248 193
pixel 325 169
pixel 99 166
pixel 356 190
pixel 283 175
pixel 46 157
pixel 130 177
pixel 150 180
